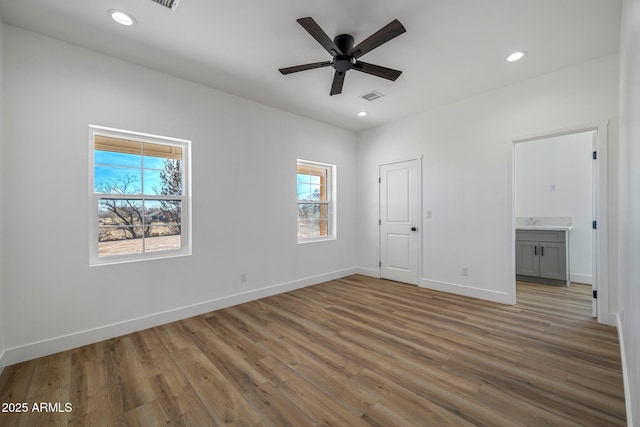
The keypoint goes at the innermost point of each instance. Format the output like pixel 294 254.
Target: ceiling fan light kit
pixel 345 55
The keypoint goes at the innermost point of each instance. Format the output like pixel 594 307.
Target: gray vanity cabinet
pixel 541 256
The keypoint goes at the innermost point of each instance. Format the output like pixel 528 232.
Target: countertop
pixel 545 227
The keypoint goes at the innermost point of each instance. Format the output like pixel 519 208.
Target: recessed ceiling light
pixel 362 113
pixel 515 56
pixel 121 17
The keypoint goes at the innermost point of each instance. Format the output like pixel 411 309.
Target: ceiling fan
pixel 345 55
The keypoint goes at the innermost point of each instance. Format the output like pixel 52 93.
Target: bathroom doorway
pixel 558 183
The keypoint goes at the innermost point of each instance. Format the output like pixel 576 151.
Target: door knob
pixel 414 229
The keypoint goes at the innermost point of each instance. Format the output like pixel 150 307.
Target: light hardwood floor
pixel 350 352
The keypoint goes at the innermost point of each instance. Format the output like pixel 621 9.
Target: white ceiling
pixel 452 48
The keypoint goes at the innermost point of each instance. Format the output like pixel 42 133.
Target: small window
pixel 316 206
pixel 139 200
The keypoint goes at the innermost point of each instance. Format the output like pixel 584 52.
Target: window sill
pixel 126 259
pixel 319 239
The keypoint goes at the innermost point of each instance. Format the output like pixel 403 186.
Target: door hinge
pixel 379 180
pixel 594 225
pixel 379 263
pixel 595 155
pixel 595 294
pixel 379 222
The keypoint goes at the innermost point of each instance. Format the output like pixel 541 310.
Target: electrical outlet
pixel 465 270
pixel 243 277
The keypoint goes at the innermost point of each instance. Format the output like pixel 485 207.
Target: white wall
pixel 564 162
pixel 2 168
pixel 629 176
pixel 244 197
pixel 467 172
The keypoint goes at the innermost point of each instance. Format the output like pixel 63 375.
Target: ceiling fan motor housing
pixel 344 62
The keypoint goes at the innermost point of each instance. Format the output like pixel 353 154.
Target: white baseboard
pixel 625 377
pixel 49 346
pixel 581 278
pixel 369 272
pixel 3 363
pixel 467 291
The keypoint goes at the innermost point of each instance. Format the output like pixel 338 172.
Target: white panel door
pixel 400 197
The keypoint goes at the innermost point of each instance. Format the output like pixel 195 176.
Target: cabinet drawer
pixel 541 235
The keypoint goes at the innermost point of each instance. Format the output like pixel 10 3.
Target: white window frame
pixel 185 235
pixel 331 202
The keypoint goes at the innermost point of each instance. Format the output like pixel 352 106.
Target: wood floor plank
pixel 224 403
pixel 316 404
pixel 352 351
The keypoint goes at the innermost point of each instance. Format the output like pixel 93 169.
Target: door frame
pixel 418 159
pixel 600 248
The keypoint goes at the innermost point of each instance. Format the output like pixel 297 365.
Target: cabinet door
pixel 527 255
pixel 553 260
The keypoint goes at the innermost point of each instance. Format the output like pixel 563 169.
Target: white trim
pixel 625 371
pixel 369 272
pixel 76 339
pixel 581 278
pixel 3 362
pixel 602 249
pixel 140 136
pixel 467 291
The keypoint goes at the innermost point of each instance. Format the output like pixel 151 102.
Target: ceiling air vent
pixel 171 4
pixel 370 96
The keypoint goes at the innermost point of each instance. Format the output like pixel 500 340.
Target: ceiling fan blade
pixel 304 67
pixel 377 70
pixel 338 81
pixel 383 35
pixel 318 33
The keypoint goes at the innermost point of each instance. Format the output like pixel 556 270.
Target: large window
pixel 316 206
pixel 140 196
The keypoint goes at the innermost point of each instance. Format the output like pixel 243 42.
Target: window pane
pixel 312 220
pixel 164 219
pixel 318 172
pixel 153 162
pixel 125 153
pixel 312 228
pixel 166 213
pixel 303 178
pixel 161 151
pixel 315 192
pixel 168 180
pixel 152 182
pixel 162 243
pixel 117 213
pixel 118 241
pixel 116 180
pixel 117 159
pixel 117 145
pixel 304 191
